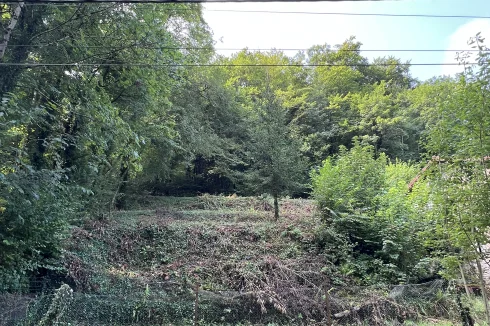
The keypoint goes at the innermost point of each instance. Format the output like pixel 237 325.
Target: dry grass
pixel 243 260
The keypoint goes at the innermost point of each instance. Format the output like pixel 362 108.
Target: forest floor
pixel 216 260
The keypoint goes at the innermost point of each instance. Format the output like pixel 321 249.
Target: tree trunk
pixel 483 290
pixel 123 185
pixel 115 202
pixel 276 207
pixel 29 23
pixel 465 284
pixel 10 27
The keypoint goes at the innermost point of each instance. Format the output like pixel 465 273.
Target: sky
pixel 301 31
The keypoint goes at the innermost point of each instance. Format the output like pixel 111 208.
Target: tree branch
pixel 10 27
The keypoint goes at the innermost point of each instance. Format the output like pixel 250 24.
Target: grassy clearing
pixel 225 244
pixel 142 266
pixel 170 241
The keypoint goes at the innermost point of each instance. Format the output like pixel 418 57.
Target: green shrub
pixel 351 181
pixel 369 231
pixel 34 221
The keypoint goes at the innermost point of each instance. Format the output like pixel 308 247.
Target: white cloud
pixel 459 41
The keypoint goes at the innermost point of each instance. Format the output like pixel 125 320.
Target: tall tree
pixel 80 119
pixel 458 135
pixel 276 165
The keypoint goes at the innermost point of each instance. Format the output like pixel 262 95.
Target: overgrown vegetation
pixel 142 267
pixel 370 227
pixel 108 110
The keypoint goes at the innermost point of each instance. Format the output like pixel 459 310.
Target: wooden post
pixel 327 306
pixel 196 304
pixel 276 207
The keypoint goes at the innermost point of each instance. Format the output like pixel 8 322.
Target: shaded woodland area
pixel 104 103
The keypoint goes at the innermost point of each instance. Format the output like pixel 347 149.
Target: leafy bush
pixel 34 221
pixel 35 203
pixel 351 181
pixel 369 230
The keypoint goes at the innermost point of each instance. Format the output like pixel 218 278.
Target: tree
pixel 13 17
pixel 347 97
pixel 210 128
pixel 276 165
pixel 374 115
pixel 67 131
pixel 458 136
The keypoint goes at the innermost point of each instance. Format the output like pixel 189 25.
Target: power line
pixel 29 65
pixel 350 14
pixel 175 1
pixel 238 49
pixel 68 2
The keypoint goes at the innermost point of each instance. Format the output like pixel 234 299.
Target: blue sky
pixel 266 30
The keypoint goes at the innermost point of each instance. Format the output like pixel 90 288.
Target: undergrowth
pixel 141 267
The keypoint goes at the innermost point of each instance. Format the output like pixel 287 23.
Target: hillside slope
pixel 213 260
pixel 247 265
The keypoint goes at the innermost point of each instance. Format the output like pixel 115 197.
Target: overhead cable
pixel 238 49
pixel 68 2
pixel 174 1
pixel 350 13
pixel 149 65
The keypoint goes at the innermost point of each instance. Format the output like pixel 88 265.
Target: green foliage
pixel 276 165
pixel 77 140
pixel 209 127
pixel 34 223
pixel 376 115
pixel 368 216
pixel 456 189
pixel 341 102
pixel 351 181
pixel 58 306
pixel 71 138
pixel 36 204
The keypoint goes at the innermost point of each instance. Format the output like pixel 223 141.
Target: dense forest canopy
pixel 103 101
